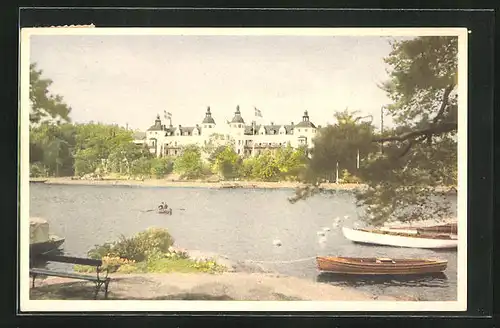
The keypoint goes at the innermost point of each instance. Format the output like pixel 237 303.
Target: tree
pixel 420 152
pixel 189 164
pixel 265 167
pixel 291 162
pixel 215 144
pixel 44 105
pixel 226 162
pixel 161 166
pixel 340 143
pixel 107 147
pixel 51 147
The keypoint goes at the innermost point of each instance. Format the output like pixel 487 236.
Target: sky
pixel 120 79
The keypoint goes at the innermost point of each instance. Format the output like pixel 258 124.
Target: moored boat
pixel 379 266
pixel 40 239
pixel 401 239
pixel 38 180
pixel 53 243
pixel 230 186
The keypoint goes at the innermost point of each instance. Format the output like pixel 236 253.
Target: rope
pixel 283 262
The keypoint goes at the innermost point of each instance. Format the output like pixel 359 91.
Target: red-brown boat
pixel 379 266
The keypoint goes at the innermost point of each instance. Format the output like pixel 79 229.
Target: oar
pixel 180 209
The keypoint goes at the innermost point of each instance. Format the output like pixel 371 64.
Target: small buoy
pixel 346 217
pixel 322 240
pixel 277 242
pixel 320 233
pixel 326 229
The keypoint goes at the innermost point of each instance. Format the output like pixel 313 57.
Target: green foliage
pixel 45 106
pixel 148 251
pixel 208 266
pixel 421 70
pixel 52 147
pixel 291 163
pixel 141 166
pixel 161 166
pixel 419 153
pixel 347 177
pixel 402 183
pixel 265 167
pixel 38 170
pixel 189 164
pixel 340 143
pixel 226 162
pixel 136 248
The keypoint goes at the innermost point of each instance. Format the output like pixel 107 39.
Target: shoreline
pixel 172 183
pixel 192 184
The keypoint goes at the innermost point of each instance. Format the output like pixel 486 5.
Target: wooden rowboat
pixel 401 239
pixel 167 211
pixel 379 266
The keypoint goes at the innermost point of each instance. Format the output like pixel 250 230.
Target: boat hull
pixel 45 247
pixel 369 266
pixel 167 211
pixel 388 239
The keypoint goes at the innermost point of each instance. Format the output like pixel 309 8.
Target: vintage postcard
pixel 243 169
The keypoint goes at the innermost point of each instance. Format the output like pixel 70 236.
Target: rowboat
pixel 401 239
pixel 379 266
pixel 165 211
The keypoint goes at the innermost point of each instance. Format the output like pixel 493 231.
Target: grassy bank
pixel 150 251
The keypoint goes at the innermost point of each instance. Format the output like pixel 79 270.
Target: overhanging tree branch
pixel 436 129
pixel 444 103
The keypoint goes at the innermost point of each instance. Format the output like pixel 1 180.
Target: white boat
pixel 390 238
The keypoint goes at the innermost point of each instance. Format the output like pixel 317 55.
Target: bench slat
pixel 66 275
pixel 70 259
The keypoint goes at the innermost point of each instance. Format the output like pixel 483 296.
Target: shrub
pixel 161 166
pixel 154 239
pixel 99 251
pixel 349 178
pixel 208 266
pixel 38 170
pixel 137 248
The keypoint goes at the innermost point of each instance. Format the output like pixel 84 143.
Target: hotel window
pixel 298 130
pixel 305 130
pixel 238 151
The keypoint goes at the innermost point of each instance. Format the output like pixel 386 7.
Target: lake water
pixel 238 223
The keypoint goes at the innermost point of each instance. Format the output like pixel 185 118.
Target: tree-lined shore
pixel 402 168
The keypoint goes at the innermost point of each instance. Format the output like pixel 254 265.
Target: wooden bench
pixel 99 280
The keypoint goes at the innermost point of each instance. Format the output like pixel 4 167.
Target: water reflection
pixel 428 280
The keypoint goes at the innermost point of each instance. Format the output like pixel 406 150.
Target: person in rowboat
pixel 162 206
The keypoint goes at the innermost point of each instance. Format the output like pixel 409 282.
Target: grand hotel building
pixel 249 139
